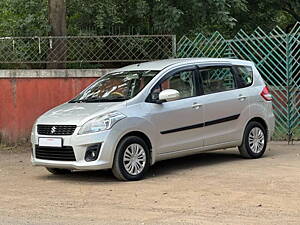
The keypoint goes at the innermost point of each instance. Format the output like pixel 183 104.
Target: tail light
pixel 266 94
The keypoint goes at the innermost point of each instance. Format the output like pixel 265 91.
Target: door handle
pixel 196 105
pixel 242 97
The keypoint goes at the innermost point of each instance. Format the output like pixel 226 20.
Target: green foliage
pixel 94 17
pixel 86 17
pixel 23 18
pixel 267 14
pixel 151 16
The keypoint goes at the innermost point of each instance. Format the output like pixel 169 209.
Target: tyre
pixel 254 141
pixel 57 171
pixel 132 159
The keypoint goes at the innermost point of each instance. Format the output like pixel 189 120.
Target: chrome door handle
pixel 196 105
pixel 242 97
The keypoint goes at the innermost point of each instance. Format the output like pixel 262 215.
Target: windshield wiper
pixel 96 99
pixel 75 101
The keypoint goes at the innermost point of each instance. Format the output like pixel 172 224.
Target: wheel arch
pixel 141 135
pixel 259 120
pixel 244 148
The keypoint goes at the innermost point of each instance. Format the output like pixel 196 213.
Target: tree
pixel 29 17
pixel 267 14
pixel 104 17
pixel 151 16
pixel 57 17
pixel 23 18
pixel 57 22
pixel 292 7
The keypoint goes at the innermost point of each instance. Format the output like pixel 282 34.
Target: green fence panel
pixel 277 57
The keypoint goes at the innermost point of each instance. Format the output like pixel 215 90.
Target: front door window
pixel 182 81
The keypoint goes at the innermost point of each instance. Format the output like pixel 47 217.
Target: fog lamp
pixel 92 152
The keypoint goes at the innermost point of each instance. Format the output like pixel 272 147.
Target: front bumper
pixel 80 143
pixel 95 165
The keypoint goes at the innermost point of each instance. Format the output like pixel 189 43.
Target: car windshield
pixel 117 86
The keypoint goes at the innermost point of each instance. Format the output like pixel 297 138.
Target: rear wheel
pixel 57 171
pixel 254 141
pixel 132 159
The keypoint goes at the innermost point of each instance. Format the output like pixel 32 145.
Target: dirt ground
pixel 209 188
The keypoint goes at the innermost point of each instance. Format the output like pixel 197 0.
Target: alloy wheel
pixel 134 159
pixel 256 140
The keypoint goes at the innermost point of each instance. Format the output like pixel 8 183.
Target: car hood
pixel 77 113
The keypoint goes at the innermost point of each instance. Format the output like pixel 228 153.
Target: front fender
pixel 135 124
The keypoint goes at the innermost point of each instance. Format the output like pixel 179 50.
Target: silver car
pixel 140 114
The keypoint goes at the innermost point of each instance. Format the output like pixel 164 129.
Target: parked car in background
pixel 140 114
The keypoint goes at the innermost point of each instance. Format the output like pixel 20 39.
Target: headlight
pixel 33 130
pixel 103 122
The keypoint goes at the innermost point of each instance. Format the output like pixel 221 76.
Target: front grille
pixel 64 153
pixel 56 129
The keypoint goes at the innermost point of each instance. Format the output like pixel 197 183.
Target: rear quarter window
pixel 244 76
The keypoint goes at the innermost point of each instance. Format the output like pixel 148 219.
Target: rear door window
pixel 217 79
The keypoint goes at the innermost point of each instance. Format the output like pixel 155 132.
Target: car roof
pixel 162 64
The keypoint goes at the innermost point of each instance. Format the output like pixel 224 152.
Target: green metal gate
pixel 277 57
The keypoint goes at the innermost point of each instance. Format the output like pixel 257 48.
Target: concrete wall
pixel 26 94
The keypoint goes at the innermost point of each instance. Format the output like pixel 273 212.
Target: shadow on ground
pixel 162 168
pixel 210 159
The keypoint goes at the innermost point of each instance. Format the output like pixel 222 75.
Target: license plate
pixel 50 142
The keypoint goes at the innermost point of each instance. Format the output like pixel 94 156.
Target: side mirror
pixel 168 95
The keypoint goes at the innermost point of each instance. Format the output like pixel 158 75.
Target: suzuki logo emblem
pixel 53 129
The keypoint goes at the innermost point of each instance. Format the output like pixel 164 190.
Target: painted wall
pixel 26 95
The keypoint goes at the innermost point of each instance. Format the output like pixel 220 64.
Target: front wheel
pixel 132 159
pixel 254 141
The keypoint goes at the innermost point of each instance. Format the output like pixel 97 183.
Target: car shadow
pixel 207 159
pixel 99 176
pixel 162 168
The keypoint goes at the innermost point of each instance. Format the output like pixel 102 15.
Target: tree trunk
pixel 57 45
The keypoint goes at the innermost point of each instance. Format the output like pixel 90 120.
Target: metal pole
pixel 288 74
pixel 174 53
